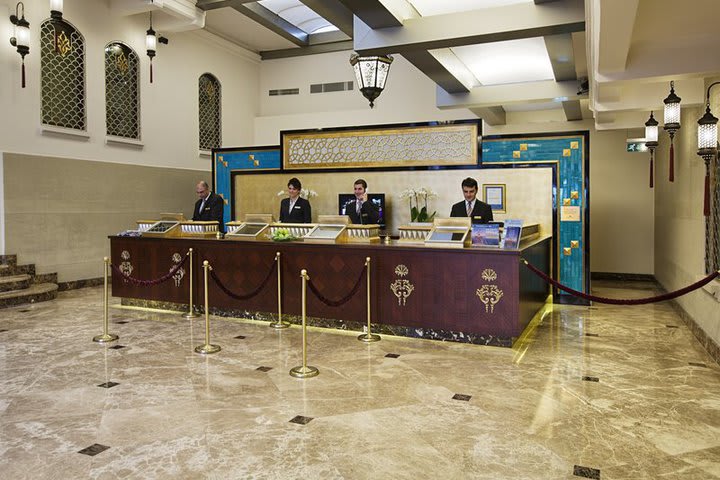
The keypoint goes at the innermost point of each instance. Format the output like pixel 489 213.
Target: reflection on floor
pixel 592 392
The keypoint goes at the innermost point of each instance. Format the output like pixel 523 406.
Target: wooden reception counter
pixel 472 295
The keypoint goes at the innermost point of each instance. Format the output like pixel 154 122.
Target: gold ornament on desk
pixel 489 295
pixel 401 288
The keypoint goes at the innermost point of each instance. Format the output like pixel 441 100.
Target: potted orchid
pixel 418 200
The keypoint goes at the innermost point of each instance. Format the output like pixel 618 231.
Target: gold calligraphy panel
pixel 386 147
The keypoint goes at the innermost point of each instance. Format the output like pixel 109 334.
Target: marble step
pixel 7 269
pixel 40 292
pixel 8 259
pixel 15 282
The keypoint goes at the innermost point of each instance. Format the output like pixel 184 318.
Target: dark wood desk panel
pixel 445 282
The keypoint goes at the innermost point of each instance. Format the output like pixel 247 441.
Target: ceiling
pixel 609 60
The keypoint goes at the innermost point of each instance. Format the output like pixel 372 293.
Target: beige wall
pixel 529 192
pixel 59 212
pixel 680 224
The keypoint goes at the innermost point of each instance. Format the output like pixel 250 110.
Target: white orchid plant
pixel 418 199
pixel 304 193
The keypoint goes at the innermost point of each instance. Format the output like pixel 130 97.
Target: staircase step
pixel 8 259
pixel 40 292
pixel 45 278
pixel 15 282
pixel 14 269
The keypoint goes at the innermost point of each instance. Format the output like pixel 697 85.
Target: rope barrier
pixel 157 281
pixel 247 296
pixel 343 300
pixel 619 301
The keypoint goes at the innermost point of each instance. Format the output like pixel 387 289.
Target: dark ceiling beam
pixel 372 12
pixel 562 58
pixel 430 66
pixel 491 115
pixel 572 110
pixel 311 50
pixel 215 4
pixel 334 12
pixel 540 2
pixel 511 22
pixel 274 22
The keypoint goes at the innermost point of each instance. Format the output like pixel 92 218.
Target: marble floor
pixel 592 392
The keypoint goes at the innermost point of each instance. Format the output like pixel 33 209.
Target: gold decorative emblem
pixel 574 194
pixel 574 145
pixel 489 295
pixel 63 44
pixel 566 152
pixel 516 153
pixel 566 201
pixel 489 275
pixel 121 63
pixel 402 288
pixel 574 244
pixel 177 258
pixel 567 251
pixel 523 147
pixel 125 266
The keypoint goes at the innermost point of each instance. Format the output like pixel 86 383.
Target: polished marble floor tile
pixel 590 392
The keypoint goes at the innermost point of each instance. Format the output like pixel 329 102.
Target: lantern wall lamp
pixel 651 141
pixel 707 144
pixel 672 124
pixel 371 74
pixel 21 37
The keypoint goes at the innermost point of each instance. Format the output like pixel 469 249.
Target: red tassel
pixel 706 205
pixel 651 170
pixel 672 162
pixel 151 71
pixel 23 73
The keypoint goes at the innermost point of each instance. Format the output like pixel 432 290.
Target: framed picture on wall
pixel 494 195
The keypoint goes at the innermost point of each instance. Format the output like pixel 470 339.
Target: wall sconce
pixel 371 74
pixel 672 124
pixel 707 145
pixel 21 38
pixel 651 141
pixel 56 9
pixel 151 45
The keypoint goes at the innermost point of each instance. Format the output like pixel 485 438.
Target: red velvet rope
pixel 343 300
pixel 247 296
pixel 619 301
pixel 157 281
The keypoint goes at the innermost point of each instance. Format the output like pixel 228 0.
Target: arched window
pixel 712 225
pixel 122 96
pixel 209 112
pixel 62 75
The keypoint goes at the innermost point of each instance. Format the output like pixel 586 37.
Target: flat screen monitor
pixel 378 199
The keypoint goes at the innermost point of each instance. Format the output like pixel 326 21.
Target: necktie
pixel 202 205
pixel 292 204
pixel 358 207
pixel 469 208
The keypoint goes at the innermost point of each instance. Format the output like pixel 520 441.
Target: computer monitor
pixel 378 199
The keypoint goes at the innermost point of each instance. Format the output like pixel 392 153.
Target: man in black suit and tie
pixel 478 211
pixel 295 209
pixel 362 210
pixel 209 206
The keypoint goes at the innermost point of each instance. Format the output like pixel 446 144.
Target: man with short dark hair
pixel 209 206
pixel 478 211
pixel 295 209
pixel 361 210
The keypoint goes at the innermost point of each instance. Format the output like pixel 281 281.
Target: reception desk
pixel 471 295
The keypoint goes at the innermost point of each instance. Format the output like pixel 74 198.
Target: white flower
pixel 281 193
pixel 307 193
pixel 408 193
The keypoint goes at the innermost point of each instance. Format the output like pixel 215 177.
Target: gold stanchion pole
pixel 368 336
pixel 304 371
pixel 191 312
pixel 207 348
pixel 279 324
pixel 105 337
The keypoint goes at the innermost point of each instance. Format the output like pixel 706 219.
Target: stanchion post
pixel 105 337
pixel 279 324
pixel 304 371
pixel 207 348
pixel 191 311
pixel 368 336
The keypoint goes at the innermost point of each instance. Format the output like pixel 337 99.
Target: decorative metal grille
pixel 712 223
pixel 122 99
pixel 62 75
pixel 209 91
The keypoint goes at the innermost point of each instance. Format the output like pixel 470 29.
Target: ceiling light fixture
pixel 651 141
pixel 707 145
pixel 21 37
pixel 371 74
pixel 672 124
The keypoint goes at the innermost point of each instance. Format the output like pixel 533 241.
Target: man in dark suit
pixel 478 211
pixel 295 209
pixel 362 210
pixel 209 206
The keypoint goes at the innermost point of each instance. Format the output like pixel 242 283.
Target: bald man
pixel 209 206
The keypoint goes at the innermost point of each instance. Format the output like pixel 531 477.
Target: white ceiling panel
pixel 237 28
pixel 299 15
pixel 427 8
pixel 513 61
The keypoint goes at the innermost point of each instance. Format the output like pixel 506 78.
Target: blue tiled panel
pixel 521 151
pixel 227 162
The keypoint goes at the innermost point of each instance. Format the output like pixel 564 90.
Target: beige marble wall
pixel 528 191
pixel 59 211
